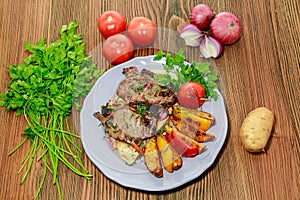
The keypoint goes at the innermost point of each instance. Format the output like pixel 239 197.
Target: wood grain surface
pixel 261 69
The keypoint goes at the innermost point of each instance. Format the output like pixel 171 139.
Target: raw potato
pixel 256 129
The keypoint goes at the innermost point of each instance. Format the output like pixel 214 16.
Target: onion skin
pixel 226 28
pixel 201 16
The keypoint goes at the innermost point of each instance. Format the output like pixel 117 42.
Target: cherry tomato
pixel 111 23
pixel 142 31
pixel 117 49
pixel 191 95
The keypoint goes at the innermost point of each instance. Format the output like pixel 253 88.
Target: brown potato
pixel 256 129
pixel 152 157
pixel 195 118
pixel 191 131
pixel 170 158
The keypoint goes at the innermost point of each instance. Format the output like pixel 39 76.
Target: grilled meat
pixel 123 124
pixel 137 117
pixel 141 86
pixel 129 124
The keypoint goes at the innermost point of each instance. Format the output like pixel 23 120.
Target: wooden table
pixel 261 69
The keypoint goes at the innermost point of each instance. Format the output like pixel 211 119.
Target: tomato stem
pixel 109 18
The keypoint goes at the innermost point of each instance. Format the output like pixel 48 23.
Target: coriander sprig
pixel 184 72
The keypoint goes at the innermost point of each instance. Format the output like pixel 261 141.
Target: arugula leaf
pixel 184 72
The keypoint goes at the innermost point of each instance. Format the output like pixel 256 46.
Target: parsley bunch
pixel 44 88
pixel 184 72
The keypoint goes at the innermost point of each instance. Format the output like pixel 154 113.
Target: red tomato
pixel 111 23
pixel 181 146
pixel 117 49
pixel 191 95
pixel 142 31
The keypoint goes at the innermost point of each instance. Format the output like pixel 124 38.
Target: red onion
pixel 210 47
pixel 163 114
pixel 226 28
pixel 191 34
pixel 201 16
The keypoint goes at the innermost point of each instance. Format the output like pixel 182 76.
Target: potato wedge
pixel 196 118
pixel 256 129
pixel 177 164
pixel 170 158
pixel 152 157
pixel 191 131
pixel 185 138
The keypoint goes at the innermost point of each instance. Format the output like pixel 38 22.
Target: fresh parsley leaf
pixel 163 79
pixel 141 108
pixel 44 88
pixel 184 72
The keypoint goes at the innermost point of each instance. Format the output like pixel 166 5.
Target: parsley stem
pixel 18 146
pixel 44 88
pixel 43 177
pixel 54 150
pixel 35 149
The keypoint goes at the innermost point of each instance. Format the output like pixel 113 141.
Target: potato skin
pixel 170 158
pixel 256 129
pixel 152 157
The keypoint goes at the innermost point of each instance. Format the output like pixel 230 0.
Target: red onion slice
pixel 192 35
pixel 210 47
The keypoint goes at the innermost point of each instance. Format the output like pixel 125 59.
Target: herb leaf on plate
pixel 184 72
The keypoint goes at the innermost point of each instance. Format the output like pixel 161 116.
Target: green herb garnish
pixel 140 89
pixel 110 108
pixel 43 88
pixel 141 109
pixel 196 72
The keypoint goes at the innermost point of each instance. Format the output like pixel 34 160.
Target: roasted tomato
pixel 111 23
pixel 117 49
pixel 142 31
pixel 191 95
pixel 180 146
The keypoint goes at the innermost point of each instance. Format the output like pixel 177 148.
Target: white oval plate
pixel 137 176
